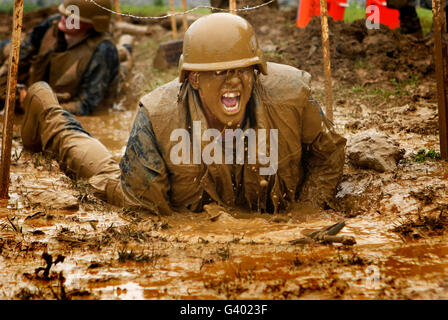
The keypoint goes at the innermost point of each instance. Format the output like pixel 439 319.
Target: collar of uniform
pixel 61 36
pixel 80 40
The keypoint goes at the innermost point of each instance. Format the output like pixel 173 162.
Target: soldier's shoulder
pixel 285 84
pixel 162 100
pixel 101 39
pixel 286 75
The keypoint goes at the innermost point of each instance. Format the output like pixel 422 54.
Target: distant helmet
pixel 220 41
pixel 89 12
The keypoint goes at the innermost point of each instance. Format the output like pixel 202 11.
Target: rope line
pixel 247 8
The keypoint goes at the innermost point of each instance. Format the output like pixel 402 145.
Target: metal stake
pixel 440 57
pixel 327 64
pixel 8 123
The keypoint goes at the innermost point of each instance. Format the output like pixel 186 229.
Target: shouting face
pixel 224 94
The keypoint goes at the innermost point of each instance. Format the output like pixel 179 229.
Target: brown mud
pixel 398 218
pixel 30 20
pixel 359 56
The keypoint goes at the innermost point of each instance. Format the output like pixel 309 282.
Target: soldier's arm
pixel 103 68
pixel 144 179
pixel 29 46
pixel 323 156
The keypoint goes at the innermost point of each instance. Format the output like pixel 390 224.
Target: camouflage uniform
pixel 310 153
pixel 81 75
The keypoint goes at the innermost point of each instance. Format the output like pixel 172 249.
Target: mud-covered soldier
pixel 78 60
pixel 224 83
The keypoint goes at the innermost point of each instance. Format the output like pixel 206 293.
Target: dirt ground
pixel 59 242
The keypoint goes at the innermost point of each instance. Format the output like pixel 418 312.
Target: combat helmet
pixel 220 41
pixel 89 12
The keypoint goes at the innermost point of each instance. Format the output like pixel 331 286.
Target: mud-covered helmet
pixel 89 12
pixel 220 41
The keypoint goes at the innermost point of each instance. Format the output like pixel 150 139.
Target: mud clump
pixel 373 150
pixel 55 200
pixel 424 225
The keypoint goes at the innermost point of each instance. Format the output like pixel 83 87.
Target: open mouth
pixel 231 101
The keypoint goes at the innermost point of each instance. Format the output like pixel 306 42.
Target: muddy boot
pixel 39 100
pixel 47 127
pixel 124 48
pixel 409 22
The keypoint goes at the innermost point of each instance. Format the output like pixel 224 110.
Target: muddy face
pixel 224 94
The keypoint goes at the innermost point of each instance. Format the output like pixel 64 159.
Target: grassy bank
pixel 149 10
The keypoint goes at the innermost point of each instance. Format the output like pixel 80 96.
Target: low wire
pixel 247 8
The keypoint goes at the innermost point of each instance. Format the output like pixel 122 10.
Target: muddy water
pixel 111 128
pixel 232 257
pixel 237 255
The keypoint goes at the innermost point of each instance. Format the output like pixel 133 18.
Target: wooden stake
pixel 117 9
pixel 184 17
pixel 232 6
pixel 327 64
pixel 440 57
pixel 173 20
pixel 8 122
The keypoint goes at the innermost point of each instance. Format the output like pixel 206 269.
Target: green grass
pixel 423 155
pixel 145 10
pixel 149 10
pixel 425 16
pixel 7 7
pixel 353 12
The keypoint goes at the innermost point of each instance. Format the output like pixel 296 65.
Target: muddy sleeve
pixel 323 156
pixel 102 70
pixel 27 50
pixel 144 180
pixel 29 46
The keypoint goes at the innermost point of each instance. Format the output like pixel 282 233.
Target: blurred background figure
pixel 79 61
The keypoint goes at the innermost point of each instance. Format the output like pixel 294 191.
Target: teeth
pixel 232 109
pixel 231 94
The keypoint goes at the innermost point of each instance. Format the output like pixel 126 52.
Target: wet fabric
pixel 310 153
pixel 47 127
pixel 95 66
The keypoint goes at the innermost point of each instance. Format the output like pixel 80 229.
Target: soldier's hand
pixel 22 94
pixel 22 91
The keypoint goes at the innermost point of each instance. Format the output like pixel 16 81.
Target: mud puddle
pixel 111 127
pixel 111 255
